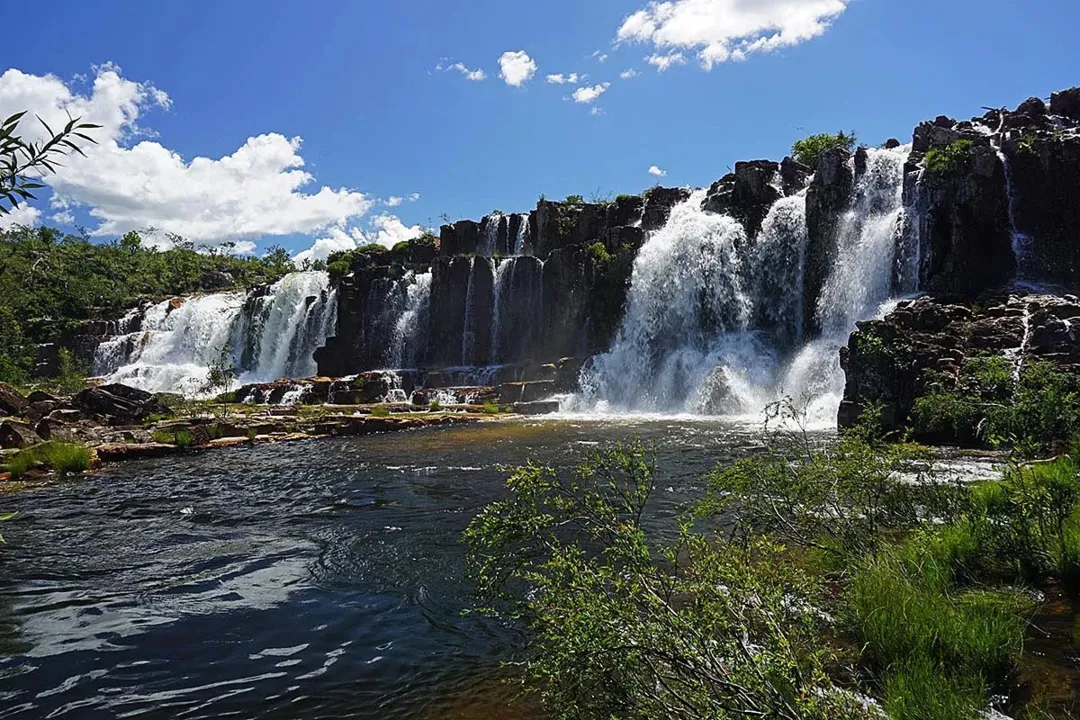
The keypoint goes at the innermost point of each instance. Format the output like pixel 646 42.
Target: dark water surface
pixel 319 579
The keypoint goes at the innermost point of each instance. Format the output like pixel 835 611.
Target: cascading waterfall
pixel 410 330
pixel 268 334
pixel 498 291
pixel 468 335
pixel 713 321
pixel 522 234
pixel 1020 241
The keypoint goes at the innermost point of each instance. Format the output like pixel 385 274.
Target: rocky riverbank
pixel 116 423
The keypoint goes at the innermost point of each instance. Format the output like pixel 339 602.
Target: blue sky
pixel 358 82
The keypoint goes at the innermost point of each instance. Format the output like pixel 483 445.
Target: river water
pixel 319 579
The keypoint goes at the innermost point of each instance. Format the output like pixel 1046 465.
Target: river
pixel 318 579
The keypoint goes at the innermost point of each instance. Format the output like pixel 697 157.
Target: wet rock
pixel 658 204
pixel 11 401
pixel 17 435
pixel 746 194
pixel 526 392
pixel 537 408
pixel 122 452
pixel 217 280
pixel 118 404
pixel 793 175
pixel 892 144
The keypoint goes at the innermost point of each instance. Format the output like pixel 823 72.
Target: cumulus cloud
pixel 384 229
pixel 394 201
pixel 664 62
pixel 517 68
pixel 589 94
pixel 629 74
pixel 729 30
pixel 560 79
pixel 129 182
pixel 472 75
pixel 414 197
pixel 22 215
pixel 655 170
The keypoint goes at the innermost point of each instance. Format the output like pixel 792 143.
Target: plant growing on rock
pixel 953 158
pixel 808 150
pixel 220 375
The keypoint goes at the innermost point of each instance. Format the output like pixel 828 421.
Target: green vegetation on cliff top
pixel 808 150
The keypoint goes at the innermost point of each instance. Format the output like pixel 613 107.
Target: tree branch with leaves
pixel 23 162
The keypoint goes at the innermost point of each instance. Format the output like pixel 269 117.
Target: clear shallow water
pixel 318 579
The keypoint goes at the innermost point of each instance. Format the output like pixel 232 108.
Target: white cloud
pixel 723 30
pixel 394 201
pixel 596 110
pixel 654 170
pixel 560 79
pixel 629 74
pixel 473 75
pixel 257 190
pixel 602 58
pixel 385 229
pixel 64 218
pixel 414 197
pixel 517 68
pixel 589 94
pixel 22 215
pixel 664 62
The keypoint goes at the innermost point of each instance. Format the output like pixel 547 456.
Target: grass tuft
pixel 62 458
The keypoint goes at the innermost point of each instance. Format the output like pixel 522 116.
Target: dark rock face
pixel 658 204
pixel 888 360
pixel 793 175
pixel 1066 103
pixel 827 197
pixel 746 194
pixel 566 303
pixel 119 404
pixel 1045 164
pixel 964 225
pixel 461 238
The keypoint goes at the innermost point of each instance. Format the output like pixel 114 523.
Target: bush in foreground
pixel 61 458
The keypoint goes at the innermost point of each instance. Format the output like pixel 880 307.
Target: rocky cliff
pixel 995 203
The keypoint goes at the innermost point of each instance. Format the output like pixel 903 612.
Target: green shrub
pixel 626 198
pixel 574 200
pixel 599 255
pixel 491 409
pixel 434 406
pixel 809 150
pixel 251 435
pixel 380 411
pixel 987 405
pixel 338 269
pixel 953 158
pixel 163 437
pixel 183 438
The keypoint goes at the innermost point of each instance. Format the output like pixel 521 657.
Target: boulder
pixel 117 404
pixel 546 407
pixel 17 435
pixel 11 401
pixel 793 175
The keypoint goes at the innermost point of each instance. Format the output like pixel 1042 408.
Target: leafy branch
pixel 18 157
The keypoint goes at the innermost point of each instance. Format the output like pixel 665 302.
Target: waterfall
pixel 410 330
pixel 269 333
pixel 468 334
pixel 713 319
pixel 501 277
pixel 522 234
pixel 1020 241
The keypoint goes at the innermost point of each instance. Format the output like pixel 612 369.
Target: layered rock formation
pixel 994 203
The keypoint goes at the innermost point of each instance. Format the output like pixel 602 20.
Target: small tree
pixel 19 157
pixel 220 376
pixel 808 150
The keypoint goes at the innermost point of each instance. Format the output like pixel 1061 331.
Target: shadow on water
pixel 315 579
